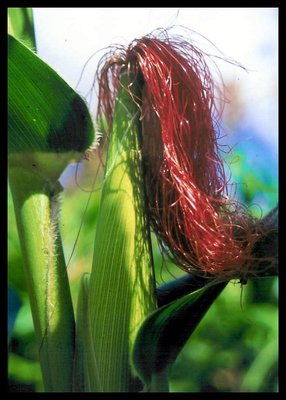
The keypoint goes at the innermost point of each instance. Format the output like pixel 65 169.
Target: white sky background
pixel 67 37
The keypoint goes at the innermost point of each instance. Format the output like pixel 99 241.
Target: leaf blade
pixel 21 25
pixel 164 333
pixel 45 115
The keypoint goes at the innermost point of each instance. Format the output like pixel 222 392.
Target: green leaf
pixel 164 333
pixel 49 124
pixel 122 283
pixel 179 287
pixel 21 25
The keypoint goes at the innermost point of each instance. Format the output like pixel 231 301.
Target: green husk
pixel 86 378
pixel 122 282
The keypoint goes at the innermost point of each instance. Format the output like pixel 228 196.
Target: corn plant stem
pixel 46 276
pixel 122 284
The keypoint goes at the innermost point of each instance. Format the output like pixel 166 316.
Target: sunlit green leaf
pixel 21 25
pixel 45 115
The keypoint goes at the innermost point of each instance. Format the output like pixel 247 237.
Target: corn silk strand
pixel 197 224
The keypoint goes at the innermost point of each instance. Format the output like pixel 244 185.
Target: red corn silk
pixel 197 224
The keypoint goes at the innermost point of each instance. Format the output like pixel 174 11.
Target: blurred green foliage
pixel 234 348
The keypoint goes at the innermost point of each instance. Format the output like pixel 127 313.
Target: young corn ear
pixel 122 286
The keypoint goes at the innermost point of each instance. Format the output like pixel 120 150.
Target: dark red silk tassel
pixel 196 222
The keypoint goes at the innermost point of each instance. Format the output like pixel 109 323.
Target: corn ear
pixel 122 282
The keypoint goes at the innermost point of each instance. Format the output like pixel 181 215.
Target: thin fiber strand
pixel 196 223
